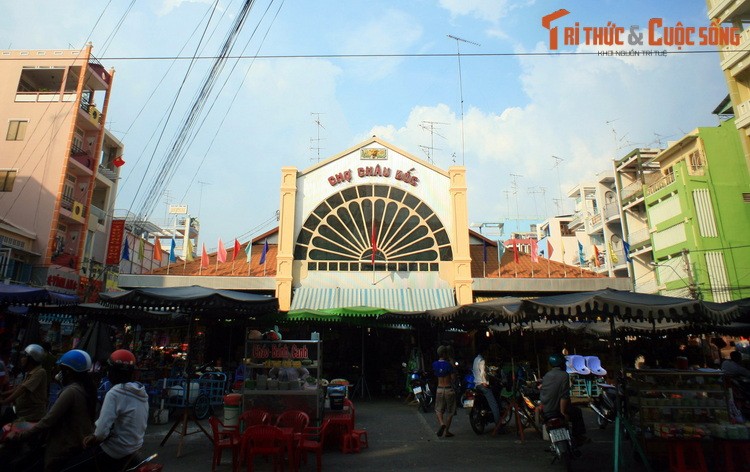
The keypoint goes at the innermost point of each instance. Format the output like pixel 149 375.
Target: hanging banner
pixel 116 235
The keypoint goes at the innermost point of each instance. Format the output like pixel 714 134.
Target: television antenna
pixel 558 160
pixel 533 191
pixel 430 127
pixel 461 90
pixel 315 142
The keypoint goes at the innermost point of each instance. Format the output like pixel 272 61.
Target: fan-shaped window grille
pixel 342 232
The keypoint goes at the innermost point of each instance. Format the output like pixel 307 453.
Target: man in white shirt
pixel 482 382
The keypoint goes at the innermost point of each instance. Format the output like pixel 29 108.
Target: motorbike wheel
pixel 477 421
pixel 601 422
pixel 424 403
pixel 421 401
pixel 506 412
pixel 565 454
pixel 202 407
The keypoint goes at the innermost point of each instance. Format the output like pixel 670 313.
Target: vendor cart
pixel 204 393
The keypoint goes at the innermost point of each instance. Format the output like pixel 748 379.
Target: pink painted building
pixel 58 169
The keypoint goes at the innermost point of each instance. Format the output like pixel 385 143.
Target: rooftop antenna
pixel 430 127
pixel 461 90
pixel 558 160
pixel 317 140
pixel 507 201
pixel 514 186
pixel 534 192
pixel 614 133
pixel 200 195
pixel 543 191
pixel 558 204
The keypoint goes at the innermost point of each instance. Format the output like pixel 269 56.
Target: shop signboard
pixel 114 246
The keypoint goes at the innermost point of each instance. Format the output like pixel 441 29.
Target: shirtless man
pixel 445 399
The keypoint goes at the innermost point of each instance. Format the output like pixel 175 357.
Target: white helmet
pixel 36 352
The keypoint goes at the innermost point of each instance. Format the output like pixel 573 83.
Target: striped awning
pixel 395 299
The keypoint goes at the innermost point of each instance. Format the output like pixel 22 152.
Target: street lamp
pixel 690 285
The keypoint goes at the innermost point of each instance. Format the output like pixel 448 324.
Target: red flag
pixel 373 237
pixel 549 250
pixel 118 161
pixel 204 257
pixel 237 249
pixel 534 251
pixel 596 256
pixel 515 251
pixel 157 250
pixel 221 253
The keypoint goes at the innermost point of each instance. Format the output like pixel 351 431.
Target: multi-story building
pixel 597 222
pixel 555 231
pixel 735 63
pixel 58 168
pixel 699 215
pixel 632 174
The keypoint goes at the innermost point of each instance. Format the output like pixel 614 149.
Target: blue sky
pixel 521 106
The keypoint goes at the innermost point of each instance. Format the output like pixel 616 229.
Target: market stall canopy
pixel 628 306
pixel 194 300
pixel 26 295
pixel 115 315
pixel 97 342
pixel 383 299
pixel 597 328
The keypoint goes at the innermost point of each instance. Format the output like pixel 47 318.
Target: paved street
pixel 401 438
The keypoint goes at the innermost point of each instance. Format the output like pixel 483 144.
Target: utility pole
pixel 558 160
pixel 317 140
pixel 692 287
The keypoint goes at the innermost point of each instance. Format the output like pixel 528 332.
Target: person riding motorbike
pixel 482 382
pixel 69 420
pixel 30 397
pixel 555 398
pixel 122 421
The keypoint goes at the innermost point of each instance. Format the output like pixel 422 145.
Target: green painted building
pixel 698 213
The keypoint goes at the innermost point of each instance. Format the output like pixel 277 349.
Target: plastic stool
pixel 350 443
pixel 686 456
pixel 731 450
pixel 361 435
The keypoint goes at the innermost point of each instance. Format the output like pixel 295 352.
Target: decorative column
pixel 285 254
pixel 461 257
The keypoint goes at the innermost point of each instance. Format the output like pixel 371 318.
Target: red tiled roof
pixel 523 269
pixel 238 268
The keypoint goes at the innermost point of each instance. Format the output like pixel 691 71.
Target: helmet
pixel 556 360
pixel 78 360
pixel 35 351
pixel 122 359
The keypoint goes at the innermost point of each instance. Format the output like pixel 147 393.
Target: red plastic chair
pixel 263 440
pixel 254 417
pixel 295 419
pixel 223 438
pixel 312 440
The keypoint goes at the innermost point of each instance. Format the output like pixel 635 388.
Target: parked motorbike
pixel 481 415
pixel 604 405
pixel 561 444
pixel 423 393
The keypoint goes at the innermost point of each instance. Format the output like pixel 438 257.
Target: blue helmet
pixel 77 360
pixel 556 360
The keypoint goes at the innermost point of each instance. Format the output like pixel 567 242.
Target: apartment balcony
pixel 611 212
pixel 73 209
pixel 579 219
pixel 742 112
pixel 91 114
pixel 660 184
pixel 108 173
pixel 727 10
pixel 595 223
pixel 631 192
pixel 639 238
pixel 83 158
pixel 734 58
pixel 99 214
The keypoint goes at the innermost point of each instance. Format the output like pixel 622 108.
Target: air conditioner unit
pixel 77 211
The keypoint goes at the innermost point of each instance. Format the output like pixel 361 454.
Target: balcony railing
pixel 578 220
pixel 611 210
pixel 82 156
pixel 638 237
pixel 99 214
pixel 595 221
pixel 660 184
pixel 76 208
pixel 108 173
pixel 743 114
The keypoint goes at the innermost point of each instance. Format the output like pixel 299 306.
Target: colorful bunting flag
pixel 263 254
pixel 596 256
pixel 204 258
pixel 189 256
pixel 126 251
pixel 550 250
pixel 237 249
pixel 140 249
pixel 612 255
pixel 249 250
pixel 221 253
pixel 581 257
pixel 157 250
pixel 172 247
pixel 515 251
pixel 534 251
pixel 626 249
